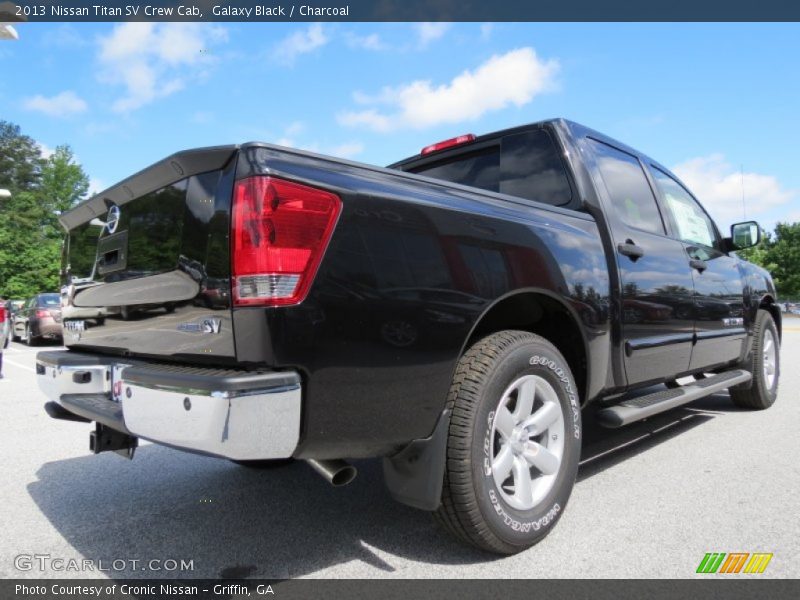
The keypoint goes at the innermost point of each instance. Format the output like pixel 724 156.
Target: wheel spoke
pixel 541 458
pixel 539 421
pixel 525 396
pixel 523 490
pixel 501 466
pixel 537 413
pixel 767 345
pixel 504 422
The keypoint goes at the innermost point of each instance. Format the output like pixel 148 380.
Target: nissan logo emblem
pixel 112 219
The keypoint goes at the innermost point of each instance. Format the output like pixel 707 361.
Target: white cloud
pixel 371 41
pixel 154 60
pixel 202 117
pixel 291 143
pixel 295 127
pixel 46 150
pixel 64 36
pixel 429 32
pixel 347 150
pixel 344 150
pixel 719 185
pixel 300 42
pixel 95 186
pixel 61 105
pixel 513 78
pixel 371 119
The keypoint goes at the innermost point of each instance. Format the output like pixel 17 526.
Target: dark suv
pixel 38 319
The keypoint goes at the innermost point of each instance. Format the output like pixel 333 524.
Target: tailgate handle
pixel 111 253
pixel 110 258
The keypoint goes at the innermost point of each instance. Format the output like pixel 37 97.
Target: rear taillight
pixel 41 313
pixel 2 314
pixel 279 232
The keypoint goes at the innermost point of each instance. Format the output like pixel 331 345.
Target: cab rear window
pixel 527 165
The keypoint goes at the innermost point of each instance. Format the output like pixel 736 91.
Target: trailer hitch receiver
pixel 105 439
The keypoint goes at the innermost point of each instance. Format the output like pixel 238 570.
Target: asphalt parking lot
pixel 650 501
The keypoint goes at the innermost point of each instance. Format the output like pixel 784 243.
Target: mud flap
pixel 415 475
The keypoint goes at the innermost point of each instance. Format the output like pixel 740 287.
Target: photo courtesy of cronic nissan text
pixel 381 299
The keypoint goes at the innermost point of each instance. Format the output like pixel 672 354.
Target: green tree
pixel 779 253
pixel 20 159
pixel 63 184
pixel 30 236
pixel 783 258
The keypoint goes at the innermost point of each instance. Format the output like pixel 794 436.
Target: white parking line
pixel 16 364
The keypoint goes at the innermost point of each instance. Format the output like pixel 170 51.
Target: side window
pixel 627 186
pixel 531 167
pixel 692 224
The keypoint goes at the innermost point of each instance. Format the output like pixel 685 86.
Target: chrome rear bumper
pixel 234 414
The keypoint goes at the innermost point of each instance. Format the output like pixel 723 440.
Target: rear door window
pixel 627 187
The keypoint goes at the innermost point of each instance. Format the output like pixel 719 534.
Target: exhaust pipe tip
pixel 336 472
pixel 344 476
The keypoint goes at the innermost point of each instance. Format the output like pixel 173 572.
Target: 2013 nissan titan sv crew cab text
pixel 452 314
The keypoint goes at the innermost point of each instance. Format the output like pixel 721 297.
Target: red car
pixel 4 325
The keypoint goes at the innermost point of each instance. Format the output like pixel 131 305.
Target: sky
pixel 717 103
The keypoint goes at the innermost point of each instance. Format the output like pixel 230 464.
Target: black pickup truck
pixel 452 314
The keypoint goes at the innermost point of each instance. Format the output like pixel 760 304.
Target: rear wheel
pixel 513 443
pixel 29 339
pixel 764 364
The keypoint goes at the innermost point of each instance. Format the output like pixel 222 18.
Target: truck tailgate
pixel 146 267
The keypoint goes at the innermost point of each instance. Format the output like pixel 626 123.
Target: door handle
pixel 631 250
pixel 698 264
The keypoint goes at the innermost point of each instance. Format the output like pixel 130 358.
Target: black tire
pixel 30 340
pixel 758 394
pixel 473 507
pixel 274 463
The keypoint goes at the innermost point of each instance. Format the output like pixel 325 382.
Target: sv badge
pixel 206 325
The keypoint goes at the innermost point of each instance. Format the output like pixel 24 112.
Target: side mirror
pixel 745 235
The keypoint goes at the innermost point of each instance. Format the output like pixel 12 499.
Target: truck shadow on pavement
pixel 604 448
pixel 233 521
pixel 236 522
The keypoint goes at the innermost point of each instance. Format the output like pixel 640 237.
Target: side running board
pixel 636 409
